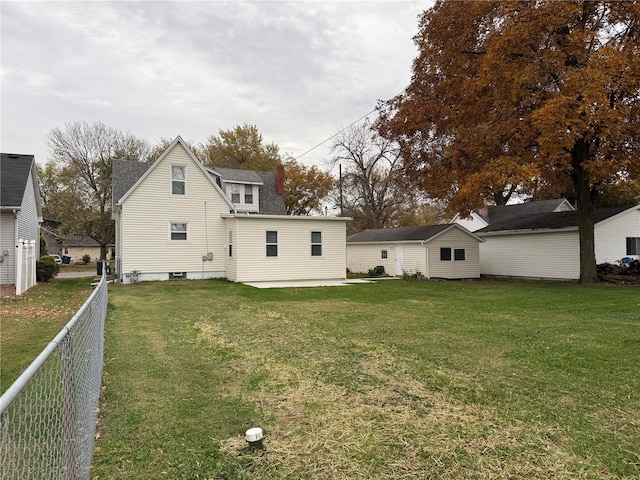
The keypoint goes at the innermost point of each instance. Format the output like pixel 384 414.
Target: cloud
pixel 297 70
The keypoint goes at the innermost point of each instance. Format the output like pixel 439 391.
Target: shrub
pixel 86 258
pixel 46 268
pixel 376 271
pixel 413 276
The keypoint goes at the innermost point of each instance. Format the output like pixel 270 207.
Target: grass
pixel 29 322
pixel 443 380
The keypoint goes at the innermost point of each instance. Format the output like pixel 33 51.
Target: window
pixel 178 183
pixel 384 255
pixel 445 254
pixel 178 231
pixel 316 244
pixel 235 193
pixel 248 194
pixel 633 245
pixel 272 243
pixel 459 254
pixel 231 244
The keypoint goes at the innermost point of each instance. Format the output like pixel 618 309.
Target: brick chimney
pixel 280 179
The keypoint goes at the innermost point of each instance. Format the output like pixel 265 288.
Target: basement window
pixel 177 275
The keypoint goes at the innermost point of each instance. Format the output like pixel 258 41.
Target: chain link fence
pixel 48 416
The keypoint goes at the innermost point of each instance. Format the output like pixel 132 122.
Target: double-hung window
pixel 248 194
pixel 231 243
pixel 316 244
pixel 384 254
pixel 272 243
pixel 235 193
pixel 178 180
pixel 633 245
pixel 178 231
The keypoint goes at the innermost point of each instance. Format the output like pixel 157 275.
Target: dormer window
pixel 235 193
pixel 248 194
pixel 178 180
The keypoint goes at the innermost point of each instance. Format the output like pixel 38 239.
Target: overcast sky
pixel 299 71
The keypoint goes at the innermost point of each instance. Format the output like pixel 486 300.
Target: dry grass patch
pixel 388 424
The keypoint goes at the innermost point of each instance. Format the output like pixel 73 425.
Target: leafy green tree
pixel 512 97
pixel 78 180
pixel 241 147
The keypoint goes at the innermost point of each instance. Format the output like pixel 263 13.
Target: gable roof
pixel 548 221
pixel 422 233
pixel 124 174
pixel 14 173
pixel 178 140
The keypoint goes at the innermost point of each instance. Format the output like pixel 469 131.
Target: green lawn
pixel 477 379
pixel 29 322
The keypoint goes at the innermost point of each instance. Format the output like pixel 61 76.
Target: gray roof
pixel 400 234
pixel 14 173
pixel 498 213
pixel 548 220
pixel 236 175
pixel 271 202
pixel 124 175
pixel 79 241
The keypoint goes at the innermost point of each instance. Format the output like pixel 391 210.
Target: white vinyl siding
pixel 148 210
pixel 8 242
pixel 552 255
pixel 294 261
pixel 363 257
pixel 611 236
pixel 420 257
pixel 27 220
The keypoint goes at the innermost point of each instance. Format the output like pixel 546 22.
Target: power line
pixel 337 133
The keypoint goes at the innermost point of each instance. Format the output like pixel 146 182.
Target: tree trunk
pixel 585 210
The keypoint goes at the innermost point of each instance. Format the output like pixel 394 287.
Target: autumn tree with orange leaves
pixel 534 98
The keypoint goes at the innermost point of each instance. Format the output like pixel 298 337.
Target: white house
pixel 177 218
pixel 436 251
pixel 546 245
pixel 20 216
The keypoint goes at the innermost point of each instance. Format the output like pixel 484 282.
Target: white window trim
pixel 244 198
pixel 277 244
pixel 187 240
pixel 384 254
pixel 311 244
pixel 230 248
pixel 178 195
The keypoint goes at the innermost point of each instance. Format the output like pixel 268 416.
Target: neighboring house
pixel 176 218
pixel 20 213
pixel 483 217
pixel 546 245
pixel 78 246
pixel 436 251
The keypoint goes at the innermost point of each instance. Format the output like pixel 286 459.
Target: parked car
pixel 56 258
